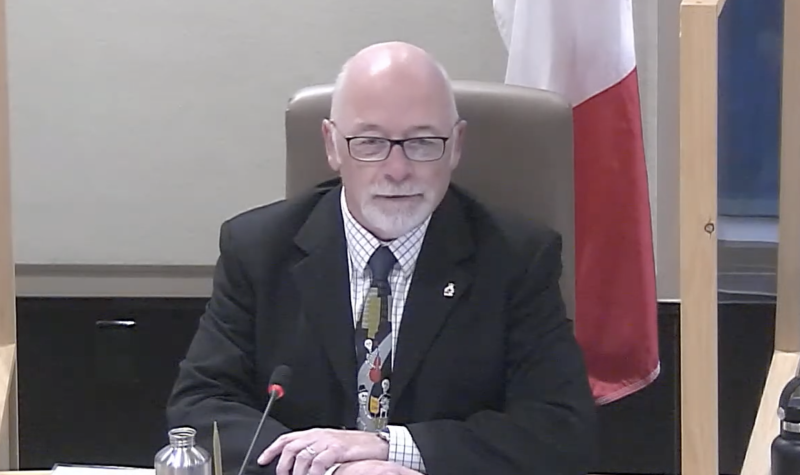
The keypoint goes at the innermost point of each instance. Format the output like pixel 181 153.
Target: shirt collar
pixel 361 244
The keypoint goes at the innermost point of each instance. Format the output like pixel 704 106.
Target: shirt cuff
pixel 333 469
pixel 403 450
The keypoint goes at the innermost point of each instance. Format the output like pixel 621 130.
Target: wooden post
pixel 787 323
pixel 698 236
pixel 786 357
pixel 8 331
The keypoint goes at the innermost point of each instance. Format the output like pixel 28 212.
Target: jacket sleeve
pixel 216 380
pixel 547 425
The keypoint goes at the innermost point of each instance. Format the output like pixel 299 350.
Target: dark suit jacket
pixel 488 381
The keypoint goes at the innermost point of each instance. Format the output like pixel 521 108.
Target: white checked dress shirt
pixel 360 246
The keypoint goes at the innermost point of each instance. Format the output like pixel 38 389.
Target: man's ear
pixel 330 145
pixel 459 133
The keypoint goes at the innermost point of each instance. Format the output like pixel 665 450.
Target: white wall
pixel 137 126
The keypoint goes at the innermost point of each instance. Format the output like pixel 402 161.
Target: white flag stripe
pixel 577 48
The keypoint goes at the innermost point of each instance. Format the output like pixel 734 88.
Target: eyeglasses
pixel 376 149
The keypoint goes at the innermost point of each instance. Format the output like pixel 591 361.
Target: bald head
pixel 392 68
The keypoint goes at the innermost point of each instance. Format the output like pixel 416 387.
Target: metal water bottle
pixel 786 446
pixel 182 456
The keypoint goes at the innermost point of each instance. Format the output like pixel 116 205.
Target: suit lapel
pixel 322 280
pixel 440 279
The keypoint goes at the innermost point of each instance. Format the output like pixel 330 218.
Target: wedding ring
pixel 311 450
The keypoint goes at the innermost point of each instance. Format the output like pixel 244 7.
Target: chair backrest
pixel 518 154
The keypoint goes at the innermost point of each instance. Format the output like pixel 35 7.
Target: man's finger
pixel 323 461
pixel 303 460
pixel 268 454
pixel 290 451
pixel 275 448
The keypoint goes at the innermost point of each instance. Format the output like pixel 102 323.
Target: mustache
pixel 402 189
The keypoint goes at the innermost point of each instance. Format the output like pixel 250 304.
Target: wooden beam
pixel 717 5
pixel 698 237
pixel 787 317
pixel 7 293
pixel 8 440
pixel 8 329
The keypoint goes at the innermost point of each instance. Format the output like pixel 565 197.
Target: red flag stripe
pixel 616 302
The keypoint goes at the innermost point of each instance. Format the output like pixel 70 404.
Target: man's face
pixel 390 197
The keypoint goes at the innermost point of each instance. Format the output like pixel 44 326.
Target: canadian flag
pixel 584 50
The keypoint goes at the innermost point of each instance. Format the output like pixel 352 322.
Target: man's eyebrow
pixel 368 127
pixel 424 129
pixel 363 127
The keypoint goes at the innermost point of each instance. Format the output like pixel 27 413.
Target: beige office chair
pixel 517 154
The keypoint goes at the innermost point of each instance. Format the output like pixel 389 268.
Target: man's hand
pixel 374 467
pixel 314 451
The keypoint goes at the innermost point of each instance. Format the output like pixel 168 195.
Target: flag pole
pixel 786 356
pixel 698 236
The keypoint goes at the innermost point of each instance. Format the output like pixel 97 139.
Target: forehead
pixel 396 108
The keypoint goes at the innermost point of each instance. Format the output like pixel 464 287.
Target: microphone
pixel 278 383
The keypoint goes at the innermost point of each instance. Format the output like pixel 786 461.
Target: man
pixel 426 334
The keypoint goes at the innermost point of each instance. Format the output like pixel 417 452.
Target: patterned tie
pixel 374 345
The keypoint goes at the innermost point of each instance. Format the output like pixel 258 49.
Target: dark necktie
pixel 374 344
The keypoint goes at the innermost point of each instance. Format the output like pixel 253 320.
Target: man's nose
pixel 397 166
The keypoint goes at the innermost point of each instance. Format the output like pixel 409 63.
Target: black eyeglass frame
pixel 393 142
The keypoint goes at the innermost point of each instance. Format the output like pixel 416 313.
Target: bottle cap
pixel 789 404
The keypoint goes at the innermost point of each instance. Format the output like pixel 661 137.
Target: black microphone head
pixel 281 377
